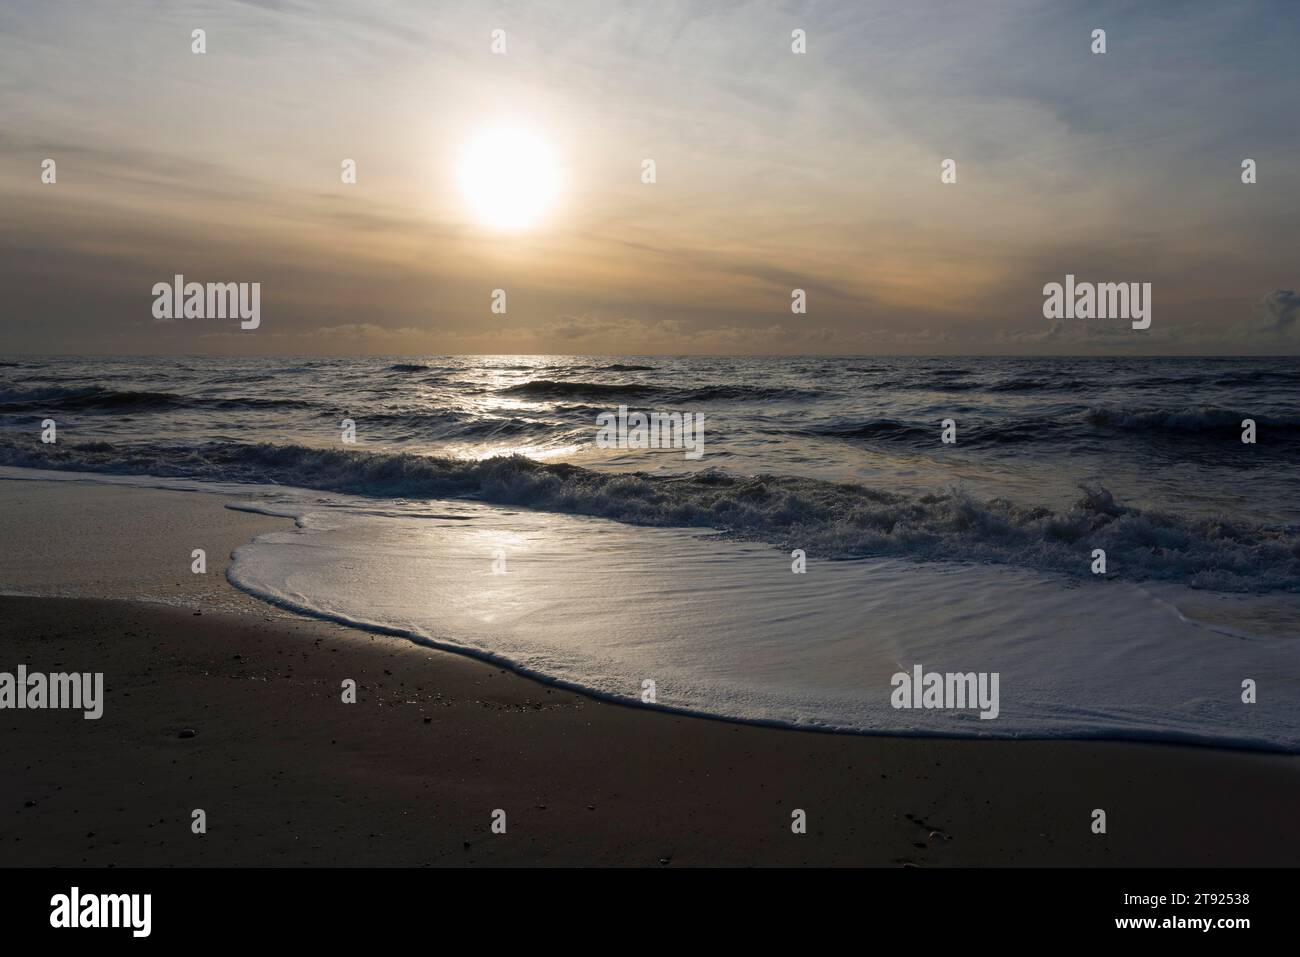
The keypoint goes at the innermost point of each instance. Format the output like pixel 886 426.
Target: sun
pixel 509 178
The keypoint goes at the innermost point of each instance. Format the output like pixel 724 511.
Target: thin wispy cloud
pixel 774 171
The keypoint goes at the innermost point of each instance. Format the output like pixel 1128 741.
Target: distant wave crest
pixel 100 398
pixel 554 389
pixel 1196 420
pixel 559 389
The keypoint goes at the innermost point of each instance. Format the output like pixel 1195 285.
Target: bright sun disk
pixel 508 177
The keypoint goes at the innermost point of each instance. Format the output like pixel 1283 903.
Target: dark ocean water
pixel 1142 457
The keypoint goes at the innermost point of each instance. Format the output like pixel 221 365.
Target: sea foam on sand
pixel 726 628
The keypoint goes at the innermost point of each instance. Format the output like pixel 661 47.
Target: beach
pixel 849 451
pixel 410 775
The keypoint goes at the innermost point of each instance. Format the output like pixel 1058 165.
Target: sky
pixel 774 171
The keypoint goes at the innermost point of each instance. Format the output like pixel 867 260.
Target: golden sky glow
pixel 774 171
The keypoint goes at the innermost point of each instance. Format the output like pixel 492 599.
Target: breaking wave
pixel 826 519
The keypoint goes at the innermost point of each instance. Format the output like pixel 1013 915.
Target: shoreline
pixel 287 774
pixel 411 774
pixel 559 684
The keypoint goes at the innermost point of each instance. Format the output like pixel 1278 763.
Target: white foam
pixel 725 628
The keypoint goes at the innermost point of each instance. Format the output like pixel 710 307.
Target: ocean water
pixel 623 566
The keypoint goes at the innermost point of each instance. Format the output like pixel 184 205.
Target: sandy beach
pixel 411 774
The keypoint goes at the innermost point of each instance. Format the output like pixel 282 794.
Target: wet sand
pixel 288 774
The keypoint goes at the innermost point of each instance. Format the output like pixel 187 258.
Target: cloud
pixel 1280 309
pixel 365 331
pixel 776 172
pixel 627 334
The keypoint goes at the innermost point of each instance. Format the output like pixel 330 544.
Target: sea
pixel 1094 530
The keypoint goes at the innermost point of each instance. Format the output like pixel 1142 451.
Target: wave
pixel 616 367
pixel 952 384
pixel 1162 382
pixel 560 389
pixel 433 424
pixel 92 398
pixel 744 393
pixel 878 429
pixel 1191 421
pixel 927 435
pixel 554 389
pixel 827 520
pixel 1041 385
pixel 1255 377
pixel 1207 422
